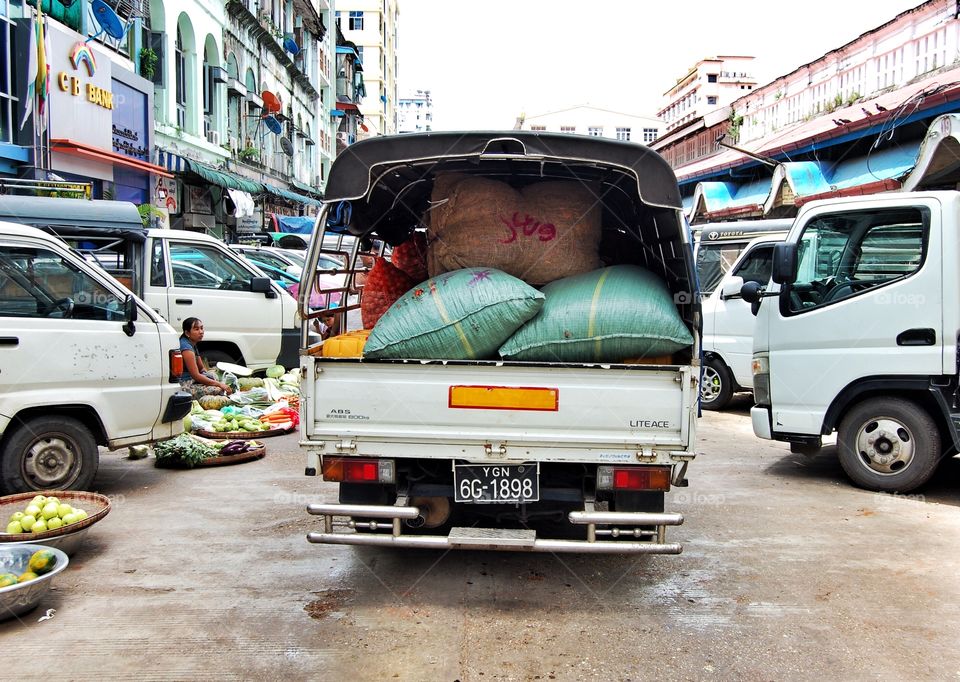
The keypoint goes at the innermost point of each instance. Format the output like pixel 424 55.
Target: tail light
pixel 633 478
pixel 358 470
pixel 176 365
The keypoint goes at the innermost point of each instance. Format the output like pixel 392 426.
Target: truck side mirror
pixel 785 263
pixel 131 310
pixel 751 292
pixel 731 288
pixel 262 285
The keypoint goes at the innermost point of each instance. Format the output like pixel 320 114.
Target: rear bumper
pixel 621 532
pixel 178 407
pixel 760 417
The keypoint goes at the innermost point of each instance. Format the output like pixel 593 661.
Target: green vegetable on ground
pixel 184 450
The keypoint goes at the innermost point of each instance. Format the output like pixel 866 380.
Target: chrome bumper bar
pixel 619 528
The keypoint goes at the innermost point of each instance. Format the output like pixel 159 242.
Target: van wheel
pixel 717 386
pixel 49 453
pixel 889 445
pixel 212 357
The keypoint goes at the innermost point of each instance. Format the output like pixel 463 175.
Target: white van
pixel 248 318
pixel 83 363
pixel 717 246
pixel 728 325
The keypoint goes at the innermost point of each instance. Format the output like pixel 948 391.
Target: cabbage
pixel 276 371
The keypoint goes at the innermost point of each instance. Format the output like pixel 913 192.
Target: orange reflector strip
pixel 504 398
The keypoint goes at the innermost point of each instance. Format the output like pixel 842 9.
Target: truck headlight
pixel 761 379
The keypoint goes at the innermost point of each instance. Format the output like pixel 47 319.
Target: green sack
pixel 608 315
pixel 461 315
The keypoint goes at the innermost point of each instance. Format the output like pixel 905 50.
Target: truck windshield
pixel 843 255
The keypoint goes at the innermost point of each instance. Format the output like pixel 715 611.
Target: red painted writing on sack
pixel 528 226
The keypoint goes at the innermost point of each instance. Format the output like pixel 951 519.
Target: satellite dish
pixel 290 45
pixel 286 146
pixel 108 20
pixel 270 101
pixel 273 124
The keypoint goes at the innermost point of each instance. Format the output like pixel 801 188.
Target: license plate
pixel 494 484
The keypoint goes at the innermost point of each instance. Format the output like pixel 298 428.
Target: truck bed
pixel 486 411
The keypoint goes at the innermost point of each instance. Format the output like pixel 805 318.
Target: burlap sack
pixel 546 231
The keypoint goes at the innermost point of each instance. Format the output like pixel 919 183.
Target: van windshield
pixel 714 261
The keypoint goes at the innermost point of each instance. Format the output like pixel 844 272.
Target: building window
pixel 568 129
pixel 356 21
pixel 623 134
pixel 649 134
pixel 10 111
pixel 540 128
pixel 711 99
pixel 181 70
pixel 711 78
pixel 595 131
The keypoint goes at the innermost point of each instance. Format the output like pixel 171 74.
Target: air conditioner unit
pixel 213 137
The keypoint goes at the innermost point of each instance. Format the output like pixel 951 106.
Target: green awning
pixel 304 187
pixel 292 196
pixel 224 179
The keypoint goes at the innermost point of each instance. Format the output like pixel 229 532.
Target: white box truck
pixel 501 454
pixel 858 332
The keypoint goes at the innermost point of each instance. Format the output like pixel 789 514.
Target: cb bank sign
pixel 82 56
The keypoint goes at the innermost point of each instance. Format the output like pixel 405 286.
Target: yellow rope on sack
pixel 445 316
pixel 593 313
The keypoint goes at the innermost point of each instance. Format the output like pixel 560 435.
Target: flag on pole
pixel 32 57
pixel 43 68
pixel 38 71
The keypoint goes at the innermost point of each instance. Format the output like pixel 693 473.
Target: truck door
pixel 214 285
pixel 732 318
pixel 867 302
pixel 62 341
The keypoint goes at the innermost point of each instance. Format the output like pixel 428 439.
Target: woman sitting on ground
pixel 196 378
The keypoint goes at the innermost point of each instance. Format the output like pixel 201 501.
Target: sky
pixel 486 63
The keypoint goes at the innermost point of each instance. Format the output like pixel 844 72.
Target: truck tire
pixel 717 386
pixel 49 453
pixel 888 445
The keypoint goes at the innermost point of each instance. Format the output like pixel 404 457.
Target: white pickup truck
pixel 858 335
pixel 248 318
pixel 417 445
pixel 83 362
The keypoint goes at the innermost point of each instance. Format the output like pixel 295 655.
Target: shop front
pixel 101 120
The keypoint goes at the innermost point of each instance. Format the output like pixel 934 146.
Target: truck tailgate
pixel 515 412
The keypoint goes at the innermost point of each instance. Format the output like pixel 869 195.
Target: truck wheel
pixel 717 387
pixel 889 445
pixel 49 453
